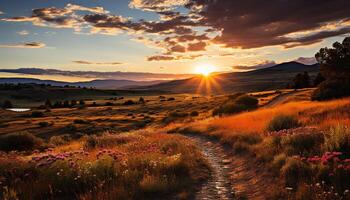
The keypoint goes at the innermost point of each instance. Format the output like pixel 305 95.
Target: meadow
pixel 142 147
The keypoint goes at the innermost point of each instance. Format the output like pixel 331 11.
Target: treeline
pixel 18 86
pixel 64 104
pixel 303 80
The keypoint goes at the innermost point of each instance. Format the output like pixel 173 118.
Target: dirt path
pixel 279 99
pixel 233 177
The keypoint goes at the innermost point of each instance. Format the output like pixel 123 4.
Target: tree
pixel 318 79
pixel 7 104
pixel 82 102
pixel 335 62
pixel 335 68
pixel 73 103
pixel 48 103
pixel 301 80
pixel 66 104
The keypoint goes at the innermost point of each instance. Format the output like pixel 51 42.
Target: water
pixel 19 109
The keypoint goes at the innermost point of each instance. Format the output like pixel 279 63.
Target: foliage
pixel 281 122
pixel 19 142
pixel 335 67
pixel 7 104
pixel 236 104
pixel 338 139
pixel 301 80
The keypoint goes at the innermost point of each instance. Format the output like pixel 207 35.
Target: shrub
pixel 37 114
pixel 281 122
pixel 142 100
pixel 19 142
pixel 81 121
pixel 177 114
pixel 338 139
pixel 43 124
pixel 194 113
pixel 237 104
pixel 249 101
pixel 295 171
pixel 7 104
pixel 59 140
pixel 331 89
pixel 303 144
pixel 129 102
pixel 171 99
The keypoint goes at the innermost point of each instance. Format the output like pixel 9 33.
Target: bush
pixel 171 99
pixel 43 124
pixel 81 121
pixel 295 171
pixel 19 142
pixel 37 114
pixel 338 139
pixel 7 104
pixel 129 102
pixel 237 104
pixel 194 113
pixel 249 101
pixel 177 114
pixel 332 89
pixel 302 144
pixel 281 122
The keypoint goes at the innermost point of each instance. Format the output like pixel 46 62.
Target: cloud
pixel 264 64
pixel 257 23
pixel 23 32
pixel 1 13
pixel 84 62
pixel 306 60
pixel 156 5
pixel 172 57
pixel 230 24
pixel 30 45
pixel 199 46
pixel 57 17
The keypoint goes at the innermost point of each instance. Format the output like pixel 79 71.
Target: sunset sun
pixel 205 69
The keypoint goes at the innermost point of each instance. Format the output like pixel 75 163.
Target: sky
pixel 166 36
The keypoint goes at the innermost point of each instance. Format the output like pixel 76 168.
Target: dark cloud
pixel 199 46
pixel 264 64
pixel 84 62
pixel 259 23
pixel 29 45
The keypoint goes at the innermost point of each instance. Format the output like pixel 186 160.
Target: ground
pixel 178 147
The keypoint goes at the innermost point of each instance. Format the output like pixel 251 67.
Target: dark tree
pixel 301 80
pixel 82 102
pixel 335 68
pixel 73 103
pixel 318 79
pixel 57 104
pixel 7 104
pixel 66 104
pixel 335 62
pixel 48 103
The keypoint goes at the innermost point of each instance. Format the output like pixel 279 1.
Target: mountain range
pixel 275 77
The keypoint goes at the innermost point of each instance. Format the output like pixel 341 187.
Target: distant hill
pixel 275 77
pixel 99 84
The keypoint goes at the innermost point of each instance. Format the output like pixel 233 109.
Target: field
pixel 172 146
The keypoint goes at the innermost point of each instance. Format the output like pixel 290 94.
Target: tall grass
pixel 322 114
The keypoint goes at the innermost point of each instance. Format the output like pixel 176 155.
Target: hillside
pixel 99 84
pixel 275 77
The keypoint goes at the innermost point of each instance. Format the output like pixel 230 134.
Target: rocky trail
pixel 233 177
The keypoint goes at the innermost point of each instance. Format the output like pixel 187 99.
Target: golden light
pixel 205 69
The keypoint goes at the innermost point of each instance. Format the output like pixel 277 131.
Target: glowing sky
pixel 166 36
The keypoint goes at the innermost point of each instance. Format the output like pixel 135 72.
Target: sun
pixel 205 69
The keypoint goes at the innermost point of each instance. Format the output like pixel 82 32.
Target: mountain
pixel 116 75
pixel 275 77
pixel 99 84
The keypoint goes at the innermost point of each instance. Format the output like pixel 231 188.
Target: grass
pixel 322 114
pixel 128 166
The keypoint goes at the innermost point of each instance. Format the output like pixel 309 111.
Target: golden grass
pixel 321 114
